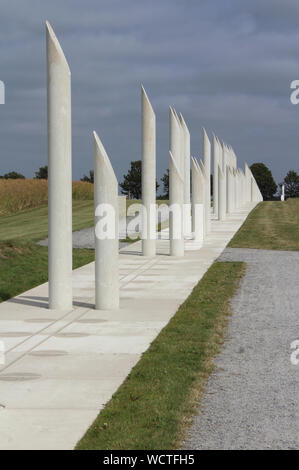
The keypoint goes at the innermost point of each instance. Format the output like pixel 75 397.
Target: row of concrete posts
pixel 190 208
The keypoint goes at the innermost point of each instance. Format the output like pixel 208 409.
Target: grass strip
pixel 25 265
pixel 156 402
pixel 272 225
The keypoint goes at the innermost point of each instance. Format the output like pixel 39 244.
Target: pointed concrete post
pixel 176 198
pixel 148 176
pixel 186 159
pixel 197 201
pixel 224 171
pixel 106 230
pixel 230 182
pixel 221 194
pixel 206 151
pixel 175 137
pixel 60 175
pixel 202 168
pixel 247 183
pixel 215 174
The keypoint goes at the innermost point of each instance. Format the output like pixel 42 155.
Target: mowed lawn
pixel 272 225
pixel 24 264
pixel 32 224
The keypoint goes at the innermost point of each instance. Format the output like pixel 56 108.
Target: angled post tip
pixel 103 156
pixel 55 51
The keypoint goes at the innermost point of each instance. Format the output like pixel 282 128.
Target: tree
pixel 291 183
pixel 165 181
pixel 264 180
pixel 13 175
pixel 90 178
pixel 131 185
pixel 42 173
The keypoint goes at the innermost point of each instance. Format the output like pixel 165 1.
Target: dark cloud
pixel 226 65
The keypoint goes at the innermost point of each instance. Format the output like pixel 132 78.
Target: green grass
pixel 25 265
pixel 272 225
pixel 32 224
pixel 154 405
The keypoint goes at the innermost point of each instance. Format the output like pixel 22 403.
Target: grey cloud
pixel 226 65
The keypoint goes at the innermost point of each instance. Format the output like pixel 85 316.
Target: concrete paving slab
pixel 62 367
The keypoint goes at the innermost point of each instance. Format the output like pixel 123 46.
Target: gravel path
pixel 252 398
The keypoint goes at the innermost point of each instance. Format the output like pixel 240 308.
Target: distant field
pixel 272 225
pixel 17 195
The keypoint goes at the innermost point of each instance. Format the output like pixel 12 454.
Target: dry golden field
pixel 17 194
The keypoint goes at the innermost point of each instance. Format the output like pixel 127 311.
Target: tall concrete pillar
pixel 205 201
pixel 186 159
pixel 176 198
pixel 215 174
pixel 221 194
pixel 224 172
pixel 235 188
pixel 59 174
pixel 106 230
pixel 148 176
pixel 230 194
pixel 227 178
pixel 248 182
pixel 206 152
pixel 175 138
pixel 282 197
pixel 197 201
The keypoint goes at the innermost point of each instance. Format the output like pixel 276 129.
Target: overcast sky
pixel 226 65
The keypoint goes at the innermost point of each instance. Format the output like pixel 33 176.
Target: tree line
pixel 131 184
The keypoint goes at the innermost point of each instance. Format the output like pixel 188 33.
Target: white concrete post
pixel 176 198
pixel 221 194
pixel 186 159
pixel 248 182
pixel 197 201
pixel 235 189
pixel 215 174
pixel 230 183
pixel 148 176
pixel 282 197
pixel 224 172
pixel 106 230
pixel 206 151
pixel 175 137
pixel 59 175
pixel 205 202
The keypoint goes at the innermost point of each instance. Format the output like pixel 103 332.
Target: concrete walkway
pixel 251 400
pixel 62 367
